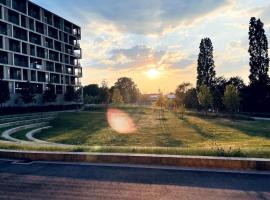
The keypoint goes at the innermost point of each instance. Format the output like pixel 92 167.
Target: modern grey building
pixel 39 46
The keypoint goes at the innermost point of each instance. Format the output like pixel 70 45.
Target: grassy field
pixel 162 133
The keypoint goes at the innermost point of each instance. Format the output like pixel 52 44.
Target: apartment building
pixel 39 46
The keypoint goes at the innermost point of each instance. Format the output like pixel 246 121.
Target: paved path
pixel 41 180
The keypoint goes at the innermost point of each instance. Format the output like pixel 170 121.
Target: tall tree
pixel 190 99
pixel 128 89
pixel 258 50
pixel 205 69
pixel 218 91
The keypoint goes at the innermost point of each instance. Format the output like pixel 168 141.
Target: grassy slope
pixel 192 136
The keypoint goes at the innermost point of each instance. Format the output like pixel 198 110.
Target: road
pixel 40 180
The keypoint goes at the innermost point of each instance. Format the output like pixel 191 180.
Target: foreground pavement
pixel 41 180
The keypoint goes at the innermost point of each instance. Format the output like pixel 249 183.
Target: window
pixel 57 45
pixel 20 33
pixel 1 71
pixel 49 43
pixel 23 21
pixel 33 75
pixel 32 50
pixel 15 73
pixel 59 89
pixel 53 56
pixel 3 2
pixel 25 74
pixel 14 45
pixel 39 27
pixel 40 52
pixel 13 17
pixel 33 11
pixel 57 22
pixel 41 76
pixel 53 33
pixel 3 57
pixel 24 48
pixel 35 38
pixel 3 28
pixel 20 60
pixel 1 42
pixel 19 5
pixel 58 68
pixel 49 66
pixel 47 18
pixel 31 24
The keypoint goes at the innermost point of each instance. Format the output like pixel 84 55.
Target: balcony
pixel 77 54
pixel 77 44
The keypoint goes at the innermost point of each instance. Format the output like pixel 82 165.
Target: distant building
pixel 152 98
pixel 39 46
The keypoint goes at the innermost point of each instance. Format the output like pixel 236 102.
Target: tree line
pixel 217 93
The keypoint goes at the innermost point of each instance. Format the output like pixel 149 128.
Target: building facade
pixel 38 46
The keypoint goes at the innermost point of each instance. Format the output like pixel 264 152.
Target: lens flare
pixel 120 121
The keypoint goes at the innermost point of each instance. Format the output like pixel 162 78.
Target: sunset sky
pixel 156 42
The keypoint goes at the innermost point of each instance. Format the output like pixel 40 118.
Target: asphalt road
pixel 72 181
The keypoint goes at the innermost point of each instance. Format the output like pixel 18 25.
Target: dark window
pixel 68 27
pixel 49 66
pixel 57 45
pixel 33 11
pixel 13 17
pixel 15 73
pixel 20 60
pixel 58 68
pixel 1 42
pixel 38 88
pixel 40 52
pixel 3 28
pixel 47 18
pixel 39 27
pixel 31 24
pixel 20 33
pixel 32 50
pixel 68 49
pixel 33 75
pixel 53 33
pixel 35 63
pixel 35 38
pixel 41 77
pixel 57 22
pixel 65 38
pixel 3 57
pixel 54 56
pixel 14 45
pixel 23 21
pixel 49 43
pixel 25 74
pixel 19 5
pixel 24 48
pixel 54 78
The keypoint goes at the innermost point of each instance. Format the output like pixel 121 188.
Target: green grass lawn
pixel 169 134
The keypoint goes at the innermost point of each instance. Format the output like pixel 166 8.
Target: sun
pixel 153 73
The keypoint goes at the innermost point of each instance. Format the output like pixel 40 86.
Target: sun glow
pixel 153 73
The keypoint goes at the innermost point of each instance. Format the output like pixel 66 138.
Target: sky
pixel 156 42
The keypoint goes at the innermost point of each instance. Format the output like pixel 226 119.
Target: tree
pixel 104 92
pixel 70 94
pixel 4 92
pixel 49 95
pixel 190 99
pixel 205 69
pixel 231 98
pixel 117 97
pixel 128 89
pixel 218 90
pixel 237 82
pixel 162 101
pixel 258 50
pixel 27 93
pixel 205 97
pixel 181 92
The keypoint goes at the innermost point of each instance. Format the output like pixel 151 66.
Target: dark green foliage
pixel 93 94
pixel 27 93
pixel 49 94
pixel 258 50
pixel 205 69
pixel 128 89
pixel 190 99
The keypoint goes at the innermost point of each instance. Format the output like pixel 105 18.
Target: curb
pixel 200 162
